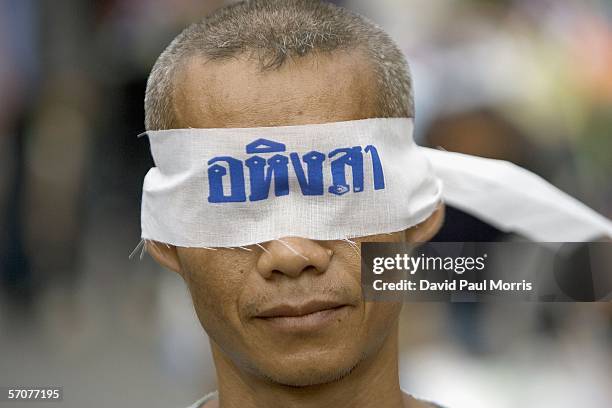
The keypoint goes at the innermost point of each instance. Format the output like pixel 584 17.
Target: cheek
pixel 392 237
pixel 379 317
pixel 376 318
pixel 215 281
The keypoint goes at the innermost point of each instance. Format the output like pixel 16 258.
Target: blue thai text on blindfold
pixel 262 171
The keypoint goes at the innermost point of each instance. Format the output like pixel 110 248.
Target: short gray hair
pixel 273 31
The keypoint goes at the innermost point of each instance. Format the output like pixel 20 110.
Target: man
pixel 287 323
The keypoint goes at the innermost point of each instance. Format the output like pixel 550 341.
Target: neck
pixel 372 383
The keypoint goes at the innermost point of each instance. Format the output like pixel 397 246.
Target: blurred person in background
pixel 18 84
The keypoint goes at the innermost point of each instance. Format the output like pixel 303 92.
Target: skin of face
pixel 231 288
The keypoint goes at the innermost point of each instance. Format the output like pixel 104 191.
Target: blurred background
pixel 526 80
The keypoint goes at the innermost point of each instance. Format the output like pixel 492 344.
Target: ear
pixel 165 255
pixel 426 230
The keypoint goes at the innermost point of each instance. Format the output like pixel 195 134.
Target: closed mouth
pixel 299 310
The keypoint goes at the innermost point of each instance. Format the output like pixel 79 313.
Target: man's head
pixel 274 63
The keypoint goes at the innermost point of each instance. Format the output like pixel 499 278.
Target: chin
pixel 308 371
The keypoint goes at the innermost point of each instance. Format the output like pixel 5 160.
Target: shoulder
pixel 199 403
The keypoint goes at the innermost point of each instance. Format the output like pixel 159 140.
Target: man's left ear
pixel 165 255
pixel 426 230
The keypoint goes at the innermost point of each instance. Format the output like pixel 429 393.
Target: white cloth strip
pixel 238 187
pixel 515 200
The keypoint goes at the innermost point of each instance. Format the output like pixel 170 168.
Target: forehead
pixel 316 88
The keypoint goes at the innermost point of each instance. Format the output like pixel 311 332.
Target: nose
pixel 291 256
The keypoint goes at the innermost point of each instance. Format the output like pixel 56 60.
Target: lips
pixel 299 310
